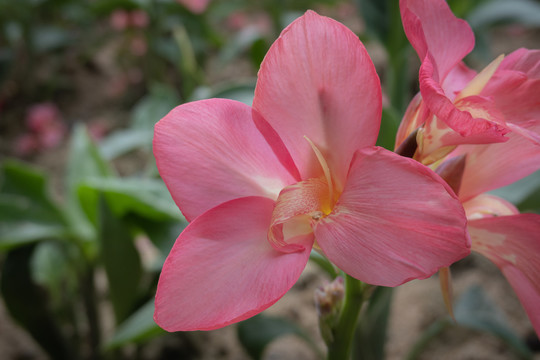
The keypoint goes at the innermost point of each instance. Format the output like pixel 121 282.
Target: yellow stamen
pixel 327 175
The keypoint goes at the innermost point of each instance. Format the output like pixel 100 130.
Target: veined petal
pixel 513 244
pixel 317 80
pixel 432 28
pixel 222 269
pixel 210 151
pixel 395 221
pixel 492 166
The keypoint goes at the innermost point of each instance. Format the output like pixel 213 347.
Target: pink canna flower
pixel 487 122
pixel 195 6
pixel 264 185
pixel 458 106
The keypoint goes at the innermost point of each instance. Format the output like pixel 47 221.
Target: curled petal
pixel 474 118
pixel 222 269
pixel 513 244
pixel 395 221
pixel 485 205
pixel 432 29
pixel 211 151
pixel 317 80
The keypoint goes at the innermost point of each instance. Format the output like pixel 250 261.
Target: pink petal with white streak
pixel 513 244
pixel 210 151
pixel 222 269
pixel 317 80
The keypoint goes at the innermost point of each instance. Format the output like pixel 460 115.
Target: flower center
pixel 300 205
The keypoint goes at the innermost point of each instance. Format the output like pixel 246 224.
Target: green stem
pixel 343 333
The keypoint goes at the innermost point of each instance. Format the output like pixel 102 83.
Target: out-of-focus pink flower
pixel 119 20
pixel 46 129
pixel 264 185
pixel 138 19
pixel 26 144
pixel 41 116
pixel 195 6
pixel 237 20
pixel 138 45
pixel 490 123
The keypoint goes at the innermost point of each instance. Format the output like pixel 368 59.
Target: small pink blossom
pixel 195 6
pixel 263 186
pixel 138 19
pixel 119 20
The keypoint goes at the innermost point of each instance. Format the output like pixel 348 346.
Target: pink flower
pixel 195 6
pixel 264 185
pixel 457 105
pixel 119 20
pixel 138 19
pixel 491 121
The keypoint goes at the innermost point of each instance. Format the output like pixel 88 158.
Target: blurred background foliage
pixel 85 221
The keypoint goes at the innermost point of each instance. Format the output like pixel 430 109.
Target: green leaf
pixel 388 130
pixel 373 325
pixel 27 303
pixel 146 197
pixel 151 108
pixel 84 162
pixel 476 311
pixel 123 141
pixel 121 261
pixel 259 331
pixel 524 193
pixel 524 12
pixel 137 328
pixel 27 213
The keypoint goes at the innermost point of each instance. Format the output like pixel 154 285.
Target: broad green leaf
pixel 151 108
pixel 84 162
pixel 121 261
pixel 27 213
pixel 147 197
pixel 476 311
pixel 137 328
pixel 27 303
pixel 259 331
pixel 123 141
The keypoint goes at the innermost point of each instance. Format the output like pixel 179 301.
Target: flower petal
pixel 432 28
pixel 210 151
pixel 395 221
pixel 485 205
pixel 492 166
pixel 515 86
pixel 317 80
pixel 513 244
pixel 222 269
pixel 474 118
